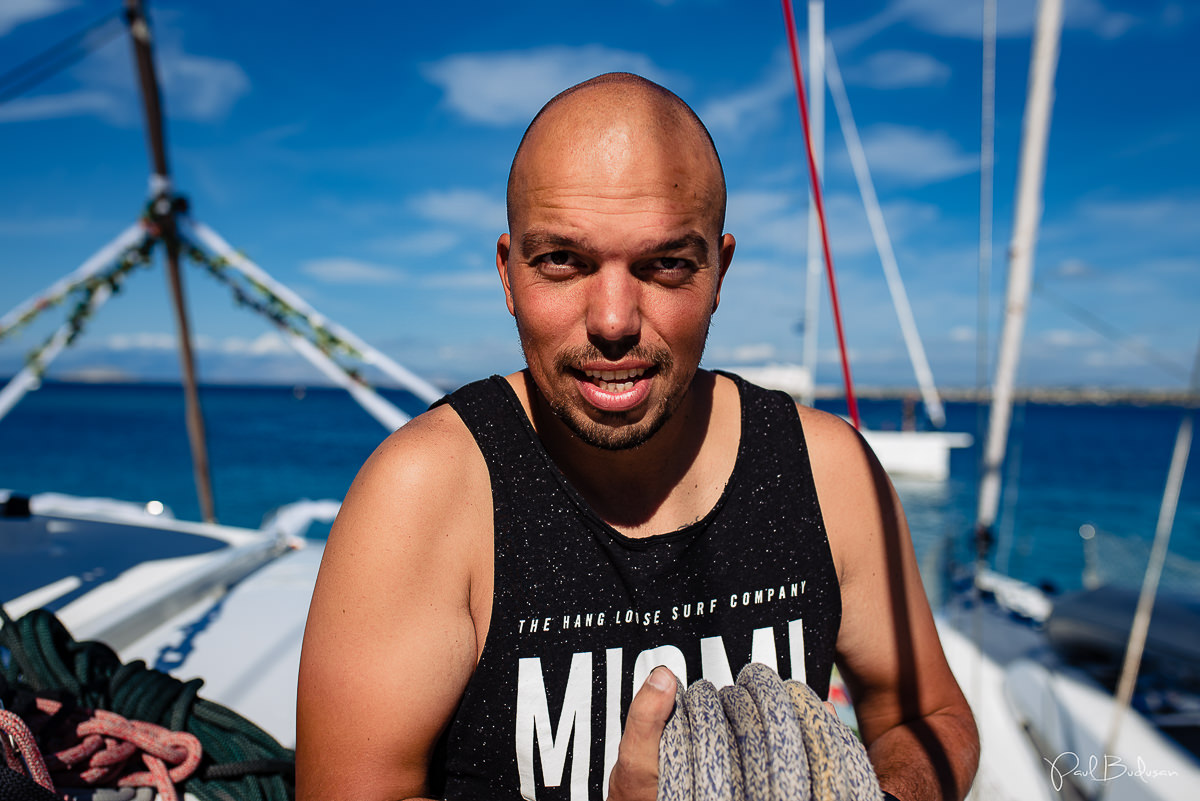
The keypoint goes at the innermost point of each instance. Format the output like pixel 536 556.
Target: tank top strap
pixel 487 408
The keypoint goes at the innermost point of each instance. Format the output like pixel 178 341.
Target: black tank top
pixel 582 613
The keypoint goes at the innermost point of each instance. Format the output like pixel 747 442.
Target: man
pixel 513 572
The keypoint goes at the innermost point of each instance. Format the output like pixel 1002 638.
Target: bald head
pixel 611 122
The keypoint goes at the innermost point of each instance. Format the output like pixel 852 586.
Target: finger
pixel 635 775
pixel 651 707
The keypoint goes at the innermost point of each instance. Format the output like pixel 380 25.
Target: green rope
pixel 241 761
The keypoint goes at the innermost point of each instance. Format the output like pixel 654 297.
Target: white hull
pixel 1043 723
pixel 916 454
pixel 232 611
pixel 903 454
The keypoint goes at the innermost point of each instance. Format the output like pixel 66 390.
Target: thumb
pixel 650 708
pixel 635 774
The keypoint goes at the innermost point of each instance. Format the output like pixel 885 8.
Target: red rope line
pixel 851 402
pixel 93 748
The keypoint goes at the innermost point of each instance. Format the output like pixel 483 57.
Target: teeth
pixel 614 381
pixel 614 375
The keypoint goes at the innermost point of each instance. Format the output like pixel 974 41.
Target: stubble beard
pixel 611 431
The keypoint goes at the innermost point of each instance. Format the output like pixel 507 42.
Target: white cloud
pixel 897 69
pixel 958 19
pixel 423 243
pixel 777 222
pixel 140 341
pixel 1073 268
pixel 755 352
pixel 18 12
pixel 42 227
pixel 767 220
pixel 1162 213
pixel 915 156
pixel 267 344
pixel 963 333
pixel 200 88
pixel 463 279
pixel 68 104
pixel 1066 338
pixel 508 88
pixel 350 271
pixel 748 109
pixel 469 208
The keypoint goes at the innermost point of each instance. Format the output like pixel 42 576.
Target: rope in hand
pixel 761 739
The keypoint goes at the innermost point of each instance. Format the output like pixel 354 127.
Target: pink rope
pixel 96 747
pixel 818 202
pixel 26 748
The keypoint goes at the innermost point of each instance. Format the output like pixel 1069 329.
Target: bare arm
pixel 918 729
pixel 398 616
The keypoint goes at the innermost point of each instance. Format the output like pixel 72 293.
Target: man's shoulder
pixel 843 465
pixel 434 439
pixel 432 461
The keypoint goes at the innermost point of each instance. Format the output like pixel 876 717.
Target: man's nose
pixel 614 305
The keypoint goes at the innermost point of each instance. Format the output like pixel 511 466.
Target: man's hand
pixel 635 776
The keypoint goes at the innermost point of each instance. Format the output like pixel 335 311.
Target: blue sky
pixel 358 152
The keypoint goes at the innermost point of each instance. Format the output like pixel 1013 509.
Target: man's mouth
pixel 614 382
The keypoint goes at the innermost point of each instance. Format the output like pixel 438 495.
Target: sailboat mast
pixel 1020 271
pixel 164 211
pixel 816 113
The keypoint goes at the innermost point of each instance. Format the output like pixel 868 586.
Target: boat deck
pixel 195 600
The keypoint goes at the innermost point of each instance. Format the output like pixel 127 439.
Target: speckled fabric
pixel 581 614
pixel 789 746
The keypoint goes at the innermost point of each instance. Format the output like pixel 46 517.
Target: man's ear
pixel 502 256
pixel 727 246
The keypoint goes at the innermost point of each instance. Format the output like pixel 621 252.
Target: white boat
pixel 903 453
pixel 1048 678
pixel 192 599
pixel 177 594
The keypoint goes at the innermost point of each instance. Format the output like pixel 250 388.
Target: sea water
pixel 1070 466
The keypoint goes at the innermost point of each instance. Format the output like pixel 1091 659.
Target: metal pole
pixel 1024 238
pixel 816 108
pixel 164 212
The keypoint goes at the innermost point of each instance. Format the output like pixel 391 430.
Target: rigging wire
pixel 797 74
pixel 987 168
pixel 987 161
pixel 1111 332
pixel 1140 627
pixel 56 58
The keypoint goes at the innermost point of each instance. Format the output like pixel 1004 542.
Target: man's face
pixel 613 271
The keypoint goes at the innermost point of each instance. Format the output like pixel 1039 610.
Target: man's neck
pixel 664 484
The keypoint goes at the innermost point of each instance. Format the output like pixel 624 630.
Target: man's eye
pixel 557 258
pixel 672 264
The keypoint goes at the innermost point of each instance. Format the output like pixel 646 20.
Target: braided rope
pixel 102 742
pixel 761 739
pixel 27 753
pixel 239 759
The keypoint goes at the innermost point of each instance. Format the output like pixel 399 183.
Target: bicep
pixel 389 646
pixel 887 648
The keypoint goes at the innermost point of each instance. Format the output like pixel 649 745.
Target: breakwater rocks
pixel 1093 396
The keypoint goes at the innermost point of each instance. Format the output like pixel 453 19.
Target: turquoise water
pixel 1103 465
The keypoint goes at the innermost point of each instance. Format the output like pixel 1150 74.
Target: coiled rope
pixel 240 760
pixel 761 739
